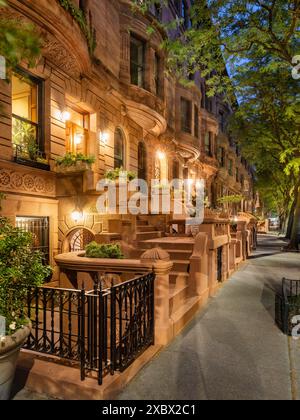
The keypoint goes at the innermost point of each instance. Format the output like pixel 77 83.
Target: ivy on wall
pixel 80 17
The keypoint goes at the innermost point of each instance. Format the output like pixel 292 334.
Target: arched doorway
pixel 142 161
pixel 78 239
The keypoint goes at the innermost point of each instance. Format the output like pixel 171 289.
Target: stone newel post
pixel 159 261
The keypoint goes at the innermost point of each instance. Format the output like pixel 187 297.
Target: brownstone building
pixel 100 89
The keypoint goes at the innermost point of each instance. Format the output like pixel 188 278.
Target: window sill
pixel 32 164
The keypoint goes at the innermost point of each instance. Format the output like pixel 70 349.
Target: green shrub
pixel 94 250
pixel 20 269
pixel 70 159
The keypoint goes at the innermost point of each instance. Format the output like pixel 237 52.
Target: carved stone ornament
pixel 155 254
pixel 11 180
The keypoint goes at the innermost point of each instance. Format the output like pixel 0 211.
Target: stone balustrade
pixel 77 271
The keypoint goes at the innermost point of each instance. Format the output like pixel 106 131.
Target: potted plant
pixel 20 269
pixel 72 162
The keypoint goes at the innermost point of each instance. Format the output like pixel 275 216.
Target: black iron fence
pixel 100 331
pixel 287 306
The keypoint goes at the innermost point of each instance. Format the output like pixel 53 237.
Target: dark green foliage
pixel 18 41
pixel 94 250
pixel 20 268
pixel 79 16
pixel 230 30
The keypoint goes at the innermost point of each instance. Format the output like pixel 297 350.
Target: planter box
pixel 287 306
pixel 77 167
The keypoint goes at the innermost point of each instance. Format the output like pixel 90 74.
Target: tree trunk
pixel 291 219
pixel 295 232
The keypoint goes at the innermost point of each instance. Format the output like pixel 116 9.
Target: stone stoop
pixel 41 375
pixel 145 231
pixel 183 306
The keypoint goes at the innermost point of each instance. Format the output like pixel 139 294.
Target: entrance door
pixel 219 264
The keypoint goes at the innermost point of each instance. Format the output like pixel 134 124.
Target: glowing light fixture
pixel 104 137
pixel 161 155
pixel 77 215
pixel 78 139
pixel 65 116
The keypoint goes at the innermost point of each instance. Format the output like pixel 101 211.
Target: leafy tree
pixel 229 29
pixel 258 40
pixel 18 42
pixel 20 268
pixel 267 126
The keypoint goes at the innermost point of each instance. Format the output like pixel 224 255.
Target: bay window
pixel 137 62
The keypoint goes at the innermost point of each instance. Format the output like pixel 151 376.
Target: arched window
pixel 119 145
pixel 142 161
pixel 78 239
pixel 176 169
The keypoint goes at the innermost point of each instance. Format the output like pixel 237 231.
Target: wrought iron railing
pixel 22 156
pixel 26 142
pixel 287 306
pixel 100 331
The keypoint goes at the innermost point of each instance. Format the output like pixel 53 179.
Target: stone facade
pixel 98 95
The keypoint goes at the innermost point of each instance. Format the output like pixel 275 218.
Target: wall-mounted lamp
pixel 77 215
pixel 104 137
pixel 65 116
pixel 78 139
pixel 161 155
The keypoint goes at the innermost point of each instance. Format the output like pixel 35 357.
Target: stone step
pixel 168 244
pixel 179 279
pixel 181 265
pixel 142 223
pixel 185 313
pixel 178 295
pixel 144 236
pixel 144 228
pixel 179 254
pixel 174 254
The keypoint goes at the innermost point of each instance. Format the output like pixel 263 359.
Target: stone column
pixel 149 74
pixel 159 261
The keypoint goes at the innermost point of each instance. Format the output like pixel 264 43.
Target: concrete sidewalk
pixel 232 350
